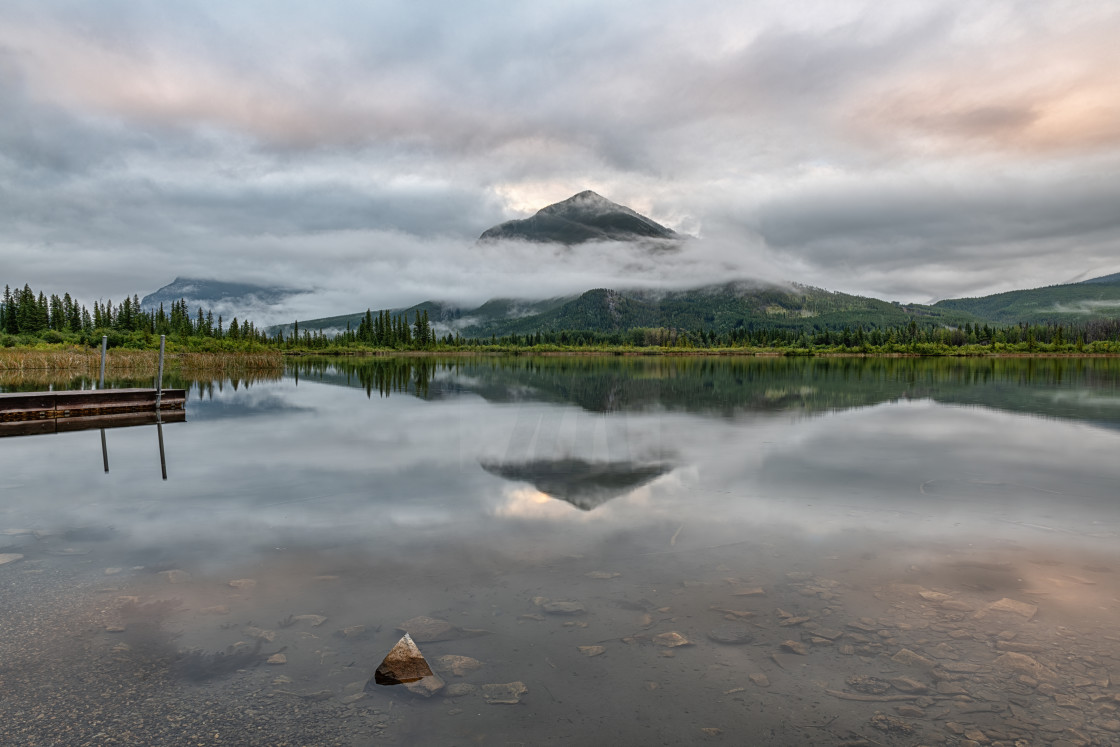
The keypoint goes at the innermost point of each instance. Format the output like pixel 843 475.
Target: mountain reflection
pixel 586 485
pixel 1084 389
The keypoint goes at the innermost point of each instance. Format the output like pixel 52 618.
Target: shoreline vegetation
pixel 38 332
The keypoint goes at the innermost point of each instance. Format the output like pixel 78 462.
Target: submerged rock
pixel 353 632
pixel 508 693
pixel 1022 609
pixel 563 608
pixel 457 665
pixel 864 683
pixel 672 639
pixel 459 689
pixel 430 629
pixel 731 634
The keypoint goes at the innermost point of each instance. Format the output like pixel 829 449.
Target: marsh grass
pixel 76 368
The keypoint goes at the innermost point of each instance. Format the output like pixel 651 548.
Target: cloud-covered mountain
pixel 258 302
pixel 586 216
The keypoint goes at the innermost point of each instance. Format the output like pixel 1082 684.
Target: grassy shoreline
pixel 134 362
pixel 145 362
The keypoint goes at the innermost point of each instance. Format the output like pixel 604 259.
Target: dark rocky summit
pixel 586 216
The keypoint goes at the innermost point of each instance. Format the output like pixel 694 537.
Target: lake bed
pixel 653 551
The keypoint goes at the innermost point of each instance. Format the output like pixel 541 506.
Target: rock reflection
pixel 586 485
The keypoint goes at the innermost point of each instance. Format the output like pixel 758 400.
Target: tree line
pixel 27 317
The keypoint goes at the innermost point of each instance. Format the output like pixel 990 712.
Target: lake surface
pixel 634 551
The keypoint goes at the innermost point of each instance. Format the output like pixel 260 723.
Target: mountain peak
pixel 585 216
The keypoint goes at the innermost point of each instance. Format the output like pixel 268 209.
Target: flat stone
pixel 353 698
pixel 314 620
pixel 457 665
pixel 268 636
pixel 933 596
pixel 590 651
pixel 282 680
pixel 425 687
pixel 672 639
pixel 563 608
pixel 176 576
pixel 352 632
pixel 508 693
pixel 459 689
pixel 217 609
pixel 908 685
pixel 244 584
pixel 961 667
pixel 752 591
pixel 277 659
pixel 864 683
pixel 890 724
pixel 908 658
pixel 112 571
pixel 1021 609
pixel 428 629
pixel 1066 701
pixel 910 711
pixel 791 621
pixel 795 647
pixel 759 679
pixel 732 614
pixel 1025 665
pixel 956 605
pixel 828 633
pixel 602 575
pixel 731 634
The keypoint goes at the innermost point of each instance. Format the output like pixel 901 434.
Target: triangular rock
pixel 403 664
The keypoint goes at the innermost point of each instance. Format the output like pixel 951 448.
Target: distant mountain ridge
pixel 1070 302
pixel 716 308
pixel 210 293
pixel 586 216
pixel 751 305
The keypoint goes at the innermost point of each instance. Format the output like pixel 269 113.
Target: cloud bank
pixel 909 152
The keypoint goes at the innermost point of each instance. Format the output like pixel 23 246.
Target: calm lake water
pixel 632 551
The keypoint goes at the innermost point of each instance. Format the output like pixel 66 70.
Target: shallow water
pixel 857 525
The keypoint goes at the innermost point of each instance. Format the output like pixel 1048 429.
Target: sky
pixel 906 150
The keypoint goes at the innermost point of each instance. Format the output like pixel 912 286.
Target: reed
pixel 134 363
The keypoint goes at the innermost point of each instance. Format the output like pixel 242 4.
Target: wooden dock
pixel 24 413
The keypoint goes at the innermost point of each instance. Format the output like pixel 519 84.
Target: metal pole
pixel 162 455
pixel 104 347
pixel 104 451
pixel 159 377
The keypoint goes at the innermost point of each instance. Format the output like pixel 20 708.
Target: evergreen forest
pixel 33 319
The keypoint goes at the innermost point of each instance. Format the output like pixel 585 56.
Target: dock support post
pixel 159 376
pixel 104 347
pixel 162 455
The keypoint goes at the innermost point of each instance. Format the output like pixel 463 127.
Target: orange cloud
pixel 1061 95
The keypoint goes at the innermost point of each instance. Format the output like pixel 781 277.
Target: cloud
pixel 904 152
